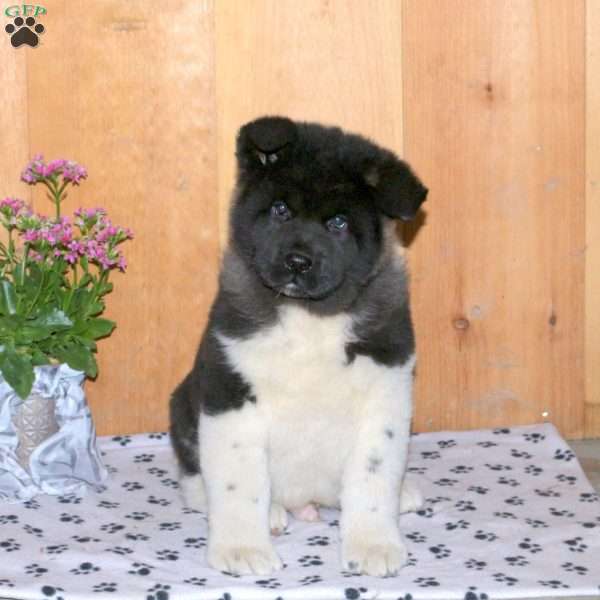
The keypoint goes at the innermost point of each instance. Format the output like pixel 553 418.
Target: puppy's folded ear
pixel 265 141
pixel 398 191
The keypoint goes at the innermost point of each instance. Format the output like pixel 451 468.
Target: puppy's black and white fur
pixel 301 390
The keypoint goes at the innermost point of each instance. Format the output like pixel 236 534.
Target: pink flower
pixel 36 170
pixel 12 206
pixel 73 172
pixel 32 172
pixel 53 167
pixel 31 235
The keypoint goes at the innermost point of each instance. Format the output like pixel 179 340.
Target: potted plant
pixel 54 275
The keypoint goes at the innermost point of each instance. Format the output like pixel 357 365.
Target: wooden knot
pixel 461 323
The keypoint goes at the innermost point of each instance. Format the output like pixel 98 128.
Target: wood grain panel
pixel 333 61
pixel 592 273
pixel 14 149
pixel 494 122
pixel 129 93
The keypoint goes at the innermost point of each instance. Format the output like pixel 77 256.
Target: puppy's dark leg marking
pixel 353 566
pixel 235 445
pixel 231 487
pixel 185 412
pixel 374 464
pixel 389 433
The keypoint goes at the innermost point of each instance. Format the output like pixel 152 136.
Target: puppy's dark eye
pixel 337 223
pixel 280 210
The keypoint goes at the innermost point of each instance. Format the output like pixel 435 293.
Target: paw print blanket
pixel 509 514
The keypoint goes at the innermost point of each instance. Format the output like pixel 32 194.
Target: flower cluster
pixel 95 239
pixel 37 170
pixel 11 209
pixel 54 274
pixel 89 237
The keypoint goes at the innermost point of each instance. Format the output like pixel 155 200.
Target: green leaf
pixel 79 358
pixel 52 318
pixel 105 288
pixel 27 335
pixel 8 298
pixel 87 278
pixel 18 371
pixel 38 358
pixel 95 308
pixel 99 328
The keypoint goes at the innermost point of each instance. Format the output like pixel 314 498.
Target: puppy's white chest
pixel 310 396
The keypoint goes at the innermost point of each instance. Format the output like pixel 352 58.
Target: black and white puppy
pixel 300 394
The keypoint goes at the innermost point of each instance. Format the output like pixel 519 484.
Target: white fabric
pixel 509 514
pixel 67 461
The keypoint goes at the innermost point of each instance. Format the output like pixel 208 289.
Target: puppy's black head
pixel 310 206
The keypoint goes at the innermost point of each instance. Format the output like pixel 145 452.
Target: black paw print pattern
pixel 503 510
pixel 461 524
pixel 576 544
pixel 505 579
pixel 158 591
pixel 9 545
pixel 530 546
pixel 139 568
pixel 35 570
pixel 52 592
pixel 440 551
pixel 9 519
pixel 104 586
pixel 425 582
pixel 167 554
pixel 478 565
pixel 85 568
pixel 318 540
pixel 310 560
pixel 355 593
pixel 24 32
pixel 269 584
pixel 564 454
pixel 197 581
pixel 312 579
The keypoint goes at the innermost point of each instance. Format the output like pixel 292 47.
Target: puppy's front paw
pixel 244 560
pixel 369 557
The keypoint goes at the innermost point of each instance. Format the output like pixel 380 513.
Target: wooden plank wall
pixel 489 101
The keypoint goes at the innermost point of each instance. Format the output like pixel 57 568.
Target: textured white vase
pixel 34 422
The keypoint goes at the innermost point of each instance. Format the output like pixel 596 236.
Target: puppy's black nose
pixel 298 263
